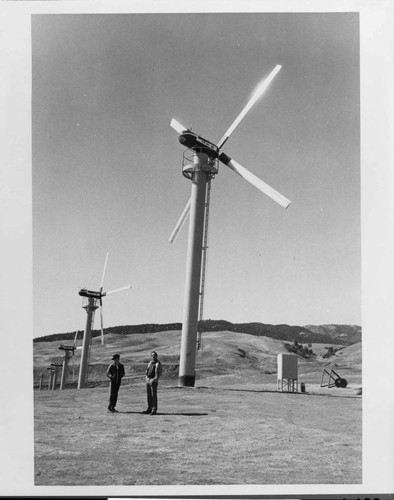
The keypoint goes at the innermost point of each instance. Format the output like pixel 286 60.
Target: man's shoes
pixel 115 411
pixel 147 412
pixel 110 410
pixel 153 412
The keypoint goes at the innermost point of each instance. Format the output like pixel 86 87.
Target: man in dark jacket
pixel 152 375
pixel 115 372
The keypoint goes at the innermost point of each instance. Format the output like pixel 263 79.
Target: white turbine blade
pixel 117 290
pixel 177 126
pixel 105 268
pixel 260 89
pixel 179 225
pixel 255 181
pixel 101 322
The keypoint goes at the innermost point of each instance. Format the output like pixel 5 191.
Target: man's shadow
pixel 158 414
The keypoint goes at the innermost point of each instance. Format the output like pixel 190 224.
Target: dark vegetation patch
pixel 330 334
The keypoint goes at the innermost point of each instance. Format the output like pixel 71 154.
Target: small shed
pixel 288 372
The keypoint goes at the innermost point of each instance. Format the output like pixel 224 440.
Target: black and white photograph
pixel 197 229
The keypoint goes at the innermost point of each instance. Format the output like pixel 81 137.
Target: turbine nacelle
pixel 63 347
pixel 198 144
pixel 84 292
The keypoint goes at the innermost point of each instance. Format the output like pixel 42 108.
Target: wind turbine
pixel 205 159
pixel 69 350
pixel 90 306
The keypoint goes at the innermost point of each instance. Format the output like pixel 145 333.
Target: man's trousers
pixel 151 393
pixel 113 394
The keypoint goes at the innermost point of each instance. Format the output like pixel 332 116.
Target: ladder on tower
pixel 203 266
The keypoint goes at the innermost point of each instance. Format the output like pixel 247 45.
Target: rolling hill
pixel 226 357
pixel 331 334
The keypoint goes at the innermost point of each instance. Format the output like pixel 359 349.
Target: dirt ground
pixel 206 435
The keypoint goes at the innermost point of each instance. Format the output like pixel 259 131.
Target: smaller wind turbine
pixel 91 305
pixel 100 294
pixel 69 350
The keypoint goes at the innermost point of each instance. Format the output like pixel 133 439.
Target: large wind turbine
pixel 206 156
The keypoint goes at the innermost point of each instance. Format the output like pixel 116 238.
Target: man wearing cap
pixel 152 375
pixel 115 372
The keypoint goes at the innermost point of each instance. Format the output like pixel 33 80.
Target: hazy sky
pixel 107 166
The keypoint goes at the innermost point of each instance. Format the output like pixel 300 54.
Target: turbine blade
pixel 179 225
pixel 101 322
pixel 117 290
pixel 104 270
pixel 177 126
pixel 254 180
pixel 260 89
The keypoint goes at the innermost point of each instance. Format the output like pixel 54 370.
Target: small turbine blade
pixel 75 338
pixel 177 126
pixel 117 290
pixel 104 270
pixel 254 180
pixel 260 89
pixel 179 225
pixel 101 322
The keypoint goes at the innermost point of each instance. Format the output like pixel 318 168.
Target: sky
pixel 106 166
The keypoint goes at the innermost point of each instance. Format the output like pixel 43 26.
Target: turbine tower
pixel 204 166
pixel 93 299
pixel 69 351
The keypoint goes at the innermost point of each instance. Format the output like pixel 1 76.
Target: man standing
pixel 152 375
pixel 115 372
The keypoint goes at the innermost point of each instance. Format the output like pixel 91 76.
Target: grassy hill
pixel 225 357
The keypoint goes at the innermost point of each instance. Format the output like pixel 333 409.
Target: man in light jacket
pixel 152 375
